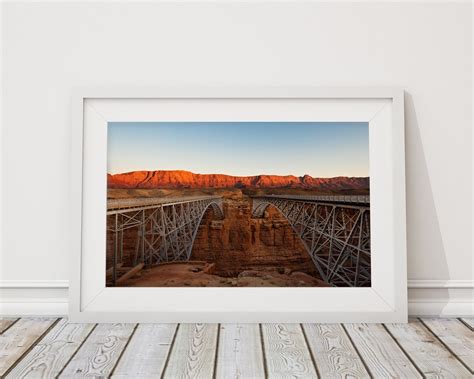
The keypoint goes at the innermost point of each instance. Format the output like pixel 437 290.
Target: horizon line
pixel 243 176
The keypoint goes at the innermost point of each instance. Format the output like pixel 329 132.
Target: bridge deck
pixel 116 204
pixel 339 199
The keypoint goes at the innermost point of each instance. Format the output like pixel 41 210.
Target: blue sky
pixel 240 148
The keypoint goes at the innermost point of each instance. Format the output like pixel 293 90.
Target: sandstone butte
pixel 186 179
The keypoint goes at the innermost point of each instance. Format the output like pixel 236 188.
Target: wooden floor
pixel 50 348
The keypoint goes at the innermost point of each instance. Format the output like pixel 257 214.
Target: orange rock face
pixel 186 179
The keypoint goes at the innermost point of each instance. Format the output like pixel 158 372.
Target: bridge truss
pixel 165 228
pixel 335 231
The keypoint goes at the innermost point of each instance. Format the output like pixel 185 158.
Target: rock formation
pixel 186 179
pixel 240 243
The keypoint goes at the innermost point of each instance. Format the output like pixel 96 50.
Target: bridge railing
pixel 116 204
pixel 359 199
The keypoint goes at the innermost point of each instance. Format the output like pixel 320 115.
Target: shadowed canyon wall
pixel 240 242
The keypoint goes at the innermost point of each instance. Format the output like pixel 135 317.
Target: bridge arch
pixel 165 228
pixel 218 211
pixel 217 208
pixel 334 230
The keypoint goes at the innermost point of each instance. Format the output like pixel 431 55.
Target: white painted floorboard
pixel 146 353
pixel 381 354
pixel 333 352
pixel 240 352
pixel 19 338
pixel 286 352
pixel 455 337
pixel 431 357
pixel 194 352
pixel 100 352
pixel 51 354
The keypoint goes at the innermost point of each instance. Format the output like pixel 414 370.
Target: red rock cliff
pixel 186 179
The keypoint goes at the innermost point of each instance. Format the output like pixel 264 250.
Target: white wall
pixel 49 48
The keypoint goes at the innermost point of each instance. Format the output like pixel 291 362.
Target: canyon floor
pixel 201 274
pixel 238 251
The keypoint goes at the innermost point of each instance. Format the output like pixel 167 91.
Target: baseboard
pixel 441 309
pixel 34 297
pixel 440 298
pixel 34 307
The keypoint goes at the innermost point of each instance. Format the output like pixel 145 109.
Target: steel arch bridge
pixel 166 228
pixel 335 231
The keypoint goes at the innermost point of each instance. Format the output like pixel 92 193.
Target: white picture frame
pixel 91 301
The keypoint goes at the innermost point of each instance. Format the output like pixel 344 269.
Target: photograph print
pixel 238 204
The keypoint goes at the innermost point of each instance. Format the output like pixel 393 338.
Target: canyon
pixel 241 243
pixel 236 251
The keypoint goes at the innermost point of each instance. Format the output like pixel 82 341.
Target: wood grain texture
pixel 19 338
pixel 429 355
pixel 146 352
pixel 193 353
pixel 240 352
pixel 380 352
pixel 286 352
pixel 5 323
pixel 49 356
pixel 468 321
pixel 100 352
pixel 333 352
pixel 455 335
pixel 41 348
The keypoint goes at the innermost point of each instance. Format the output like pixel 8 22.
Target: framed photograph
pixel 238 205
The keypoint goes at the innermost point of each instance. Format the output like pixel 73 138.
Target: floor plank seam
pixel 123 351
pixel 26 352
pixel 305 337
pixel 404 351
pixel 445 346
pixel 466 324
pixel 262 343
pixel 357 351
pixel 214 369
pixel 77 350
pixel 168 356
pixel 9 326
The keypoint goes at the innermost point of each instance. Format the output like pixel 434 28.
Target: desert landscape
pixel 237 204
pixel 236 251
